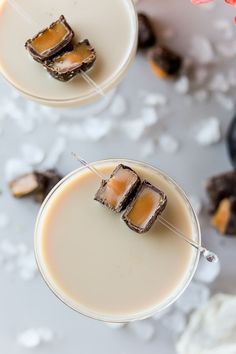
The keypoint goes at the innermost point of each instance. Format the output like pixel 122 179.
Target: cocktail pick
pixel 208 255
pixel 25 15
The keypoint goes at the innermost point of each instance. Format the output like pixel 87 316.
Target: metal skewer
pixel 208 255
pixel 18 8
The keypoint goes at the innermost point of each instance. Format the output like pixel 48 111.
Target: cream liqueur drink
pixel 110 27
pixel 96 263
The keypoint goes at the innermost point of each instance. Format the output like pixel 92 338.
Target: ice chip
pixel 29 338
pixel 54 154
pixel 219 83
pixel 175 321
pixel 182 85
pixel 168 143
pixel 155 99
pixel 227 49
pixel 4 220
pixel 148 148
pixel 207 272
pixel 194 297
pixel 149 116
pixel 15 167
pixel 118 106
pixel 115 325
pixel 134 129
pixel 96 128
pixel 225 101
pixel 144 330
pixel 32 154
pixel 201 50
pixel 208 132
pixel 33 337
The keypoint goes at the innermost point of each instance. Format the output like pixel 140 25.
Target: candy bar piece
pixel 50 178
pixel 27 184
pixel 50 41
pixel 221 187
pixel 143 211
pixel 146 35
pixel 165 63
pixel 67 65
pixel 224 219
pixel 116 192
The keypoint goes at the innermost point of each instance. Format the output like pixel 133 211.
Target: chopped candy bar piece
pixel 143 211
pixel 50 179
pixel 67 65
pixel 35 183
pixel 224 219
pixel 146 35
pixel 26 184
pixel 50 41
pixel 116 192
pixel 221 187
pixel 165 63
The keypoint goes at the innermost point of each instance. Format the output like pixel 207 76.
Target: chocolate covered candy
pixel 70 63
pixel 146 35
pixel 50 41
pixel 221 187
pixel 142 212
pixel 164 62
pixel 26 184
pixel 224 218
pixel 116 192
pixel 38 184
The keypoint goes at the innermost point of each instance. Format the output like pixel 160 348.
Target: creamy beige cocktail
pixel 110 26
pixel 97 265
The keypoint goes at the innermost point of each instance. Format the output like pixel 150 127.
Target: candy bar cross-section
pixel 70 63
pixel 116 192
pixel 50 41
pixel 224 219
pixel 143 211
pixel 165 63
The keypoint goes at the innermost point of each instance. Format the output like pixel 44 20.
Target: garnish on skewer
pixel 54 49
pixel 208 255
pixel 116 192
pixel 70 63
pixel 141 202
pixel 148 203
pixel 50 41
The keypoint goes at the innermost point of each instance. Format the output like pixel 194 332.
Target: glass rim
pixel 116 318
pixel 113 81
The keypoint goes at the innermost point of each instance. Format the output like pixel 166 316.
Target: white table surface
pixel 30 304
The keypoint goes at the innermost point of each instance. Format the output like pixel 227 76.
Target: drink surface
pixel 109 25
pixel 96 264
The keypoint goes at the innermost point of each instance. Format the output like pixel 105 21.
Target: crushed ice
pixel 144 330
pixel 18 257
pixel 4 220
pixel 195 296
pixel 208 132
pixel 33 337
pixel 168 144
pixel 118 106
